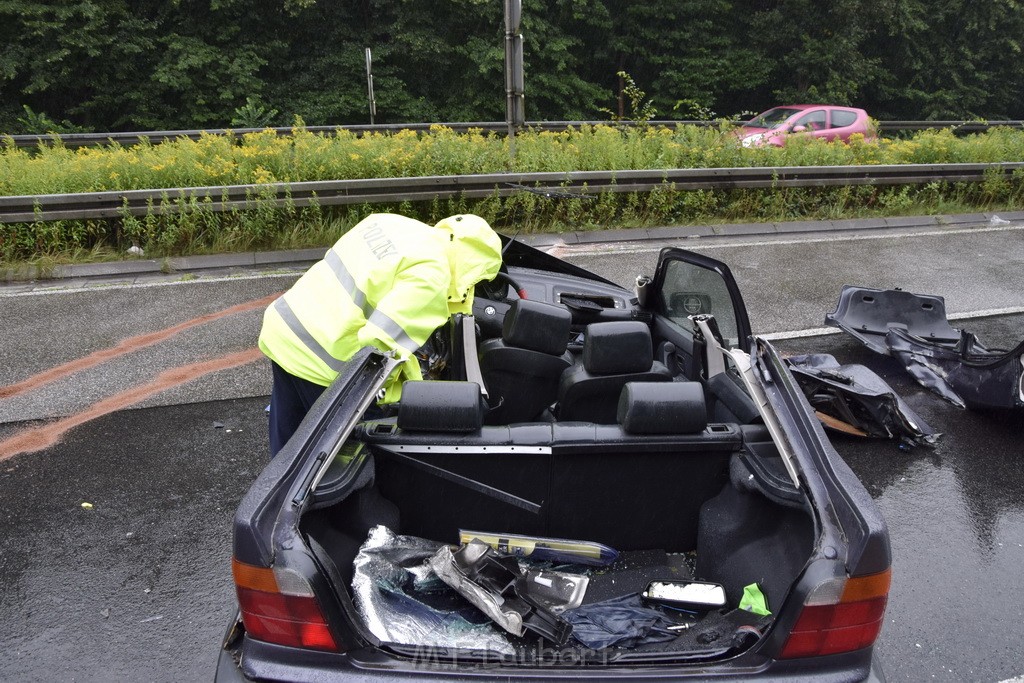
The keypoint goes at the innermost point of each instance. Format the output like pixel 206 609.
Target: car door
pixel 814 123
pixel 842 124
pixel 685 289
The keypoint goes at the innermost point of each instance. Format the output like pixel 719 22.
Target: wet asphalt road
pixel 137 586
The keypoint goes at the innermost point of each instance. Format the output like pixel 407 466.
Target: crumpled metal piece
pixel 968 375
pixel 402 602
pixel 515 599
pixel 951 363
pixel 856 396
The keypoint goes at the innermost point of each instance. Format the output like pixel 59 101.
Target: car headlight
pixel 753 140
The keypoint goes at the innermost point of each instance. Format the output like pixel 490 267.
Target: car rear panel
pixel 263 661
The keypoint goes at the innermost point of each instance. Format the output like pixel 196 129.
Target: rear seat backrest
pixel 634 486
pixel 662 408
pixel 438 406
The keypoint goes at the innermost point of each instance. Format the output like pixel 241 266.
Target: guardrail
pixel 576 184
pixel 158 136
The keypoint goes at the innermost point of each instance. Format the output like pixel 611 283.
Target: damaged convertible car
pixel 590 482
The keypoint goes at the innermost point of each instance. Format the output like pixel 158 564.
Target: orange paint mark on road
pixel 126 346
pixel 37 439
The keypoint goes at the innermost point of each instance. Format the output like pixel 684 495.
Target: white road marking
pixel 822 331
pixel 702 244
pixel 985 313
pixel 797 334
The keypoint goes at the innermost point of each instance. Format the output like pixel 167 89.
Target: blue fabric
pixel 290 399
pixel 622 622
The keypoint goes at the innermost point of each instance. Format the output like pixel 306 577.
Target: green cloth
pixel 754 601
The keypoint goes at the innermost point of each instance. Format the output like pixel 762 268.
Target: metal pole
pixel 369 84
pixel 515 115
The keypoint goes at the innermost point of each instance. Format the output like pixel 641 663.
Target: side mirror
pixel 799 129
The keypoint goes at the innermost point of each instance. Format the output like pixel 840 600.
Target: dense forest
pixel 108 65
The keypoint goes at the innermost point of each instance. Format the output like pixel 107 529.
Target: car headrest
pixel 662 408
pixel 537 326
pixel 436 406
pixel 616 348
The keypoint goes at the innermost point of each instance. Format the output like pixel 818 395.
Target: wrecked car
pixel 914 329
pixel 652 493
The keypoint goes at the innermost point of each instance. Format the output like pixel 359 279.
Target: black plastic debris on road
pixel 855 400
pixel 913 329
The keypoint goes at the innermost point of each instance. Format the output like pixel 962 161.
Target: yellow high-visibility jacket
pixel 389 282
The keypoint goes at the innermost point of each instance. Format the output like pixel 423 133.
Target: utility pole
pixel 514 79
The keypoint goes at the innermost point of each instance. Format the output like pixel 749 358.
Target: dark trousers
pixel 290 399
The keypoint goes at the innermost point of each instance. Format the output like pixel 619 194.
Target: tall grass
pixel 264 157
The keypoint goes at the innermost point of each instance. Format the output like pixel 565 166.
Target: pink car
pixel 830 122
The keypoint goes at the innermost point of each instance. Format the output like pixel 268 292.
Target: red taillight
pixel 286 615
pixel 839 616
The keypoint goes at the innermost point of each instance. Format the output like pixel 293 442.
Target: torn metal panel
pixel 855 400
pixel 913 329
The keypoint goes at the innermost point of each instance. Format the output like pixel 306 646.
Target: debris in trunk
pixel 753 600
pixel 691 596
pixel 913 329
pixel 620 622
pixel 517 601
pixel 538 548
pixel 854 400
pixel 401 601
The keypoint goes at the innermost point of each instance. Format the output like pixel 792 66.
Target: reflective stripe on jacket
pixel 384 283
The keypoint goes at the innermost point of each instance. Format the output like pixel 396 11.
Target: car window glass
pixel 814 120
pixel 842 118
pixel 689 289
pixel 772 118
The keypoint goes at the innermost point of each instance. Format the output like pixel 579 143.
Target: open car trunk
pixel 710 505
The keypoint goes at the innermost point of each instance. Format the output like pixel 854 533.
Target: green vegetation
pixel 261 158
pixel 264 157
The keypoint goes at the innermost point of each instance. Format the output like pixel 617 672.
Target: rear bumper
pixel 228 670
pixel 265 662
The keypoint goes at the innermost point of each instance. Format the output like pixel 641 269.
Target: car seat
pixel 521 370
pixel 614 353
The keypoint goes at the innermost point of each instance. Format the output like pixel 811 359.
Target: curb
pixel 272 258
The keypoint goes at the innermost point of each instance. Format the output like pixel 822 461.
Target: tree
pixel 564 79
pixel 116 64
pixel 950 59
pixel 676 50
pixel 816 50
